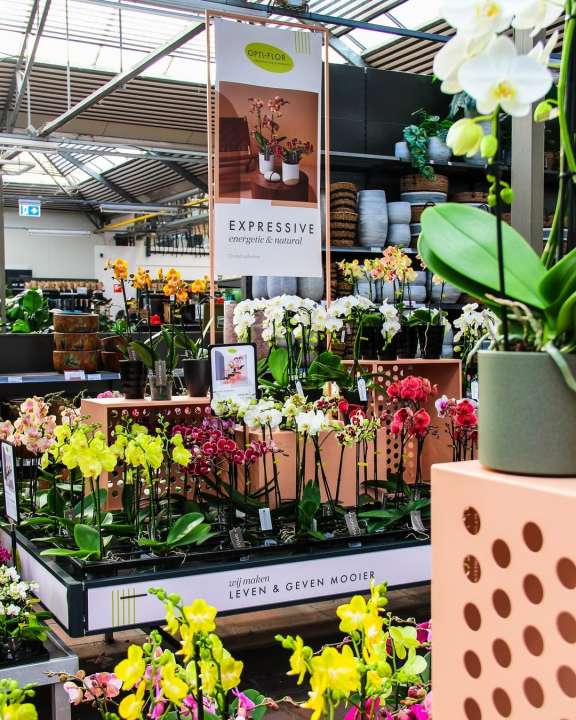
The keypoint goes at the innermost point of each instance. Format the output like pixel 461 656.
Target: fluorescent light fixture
pixel 124 208
pixel 56 231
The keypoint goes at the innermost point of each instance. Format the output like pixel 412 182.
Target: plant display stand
pixel 447 374
pixel 241 581
pixel 503 596
pixel 108 412
pixel 61 660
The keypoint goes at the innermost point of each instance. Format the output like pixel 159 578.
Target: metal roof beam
pixel 21 76
pixel 186 174
pixel 110 184
pixel 264 9
pixel 121 79
pixel 346 51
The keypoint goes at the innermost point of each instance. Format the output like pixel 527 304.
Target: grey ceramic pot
pixel 259 287
pixel 438 151
pixel 399 235
pixel 311 288
pixel 527 414
pixel 282 286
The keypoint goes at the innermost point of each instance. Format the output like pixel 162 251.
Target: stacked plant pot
pixel 76 342
pixel 399 216
pixel 422 193
pixel 343 214
pixel 372 218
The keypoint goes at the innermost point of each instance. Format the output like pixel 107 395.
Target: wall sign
pixel 29 208
pixel 9 482
pixel 267 151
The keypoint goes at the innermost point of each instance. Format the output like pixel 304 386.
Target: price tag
pixel 74 375
pixel 314 525
pixel 237 538
pixel 15 379
pixel 352 524
pixel 240 515
pixel 362 392
pixel 265 519
pixel 474 390
pixel 376 249
pixel 94 376
pixel 299 388
pixel 343 336
pixel 416 521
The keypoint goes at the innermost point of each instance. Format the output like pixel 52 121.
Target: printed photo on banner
pixel 233 371
pixel 9 482
pixel 267 150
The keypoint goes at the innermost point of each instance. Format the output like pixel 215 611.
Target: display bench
pixel 60 660
pixel 445 373
pixel 239 581
pixel 504 594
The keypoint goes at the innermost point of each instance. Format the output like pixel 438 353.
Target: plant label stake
pixel 352 523
pixel 237 538
pixel 362 391
pixel 265 519
pixel 299 388
pixel 416 522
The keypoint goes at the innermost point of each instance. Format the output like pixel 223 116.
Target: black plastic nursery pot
pixel 527 414
pixel 430 338
pixel 407 345
pixel 20 652
pixel 196 376
pixel 133 379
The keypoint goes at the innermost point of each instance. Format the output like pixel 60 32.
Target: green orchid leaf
pixel 21 326
pixel 183 527
pixel 89 503
pixel 63 552
pixel 566 322
pixel 198 536
pixel 87 538
pixel 144 352
pixel 278 366
pixel 559 283
pixel 464 239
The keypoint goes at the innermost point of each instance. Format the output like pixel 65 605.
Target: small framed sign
pixel 233 371
pixel 9 482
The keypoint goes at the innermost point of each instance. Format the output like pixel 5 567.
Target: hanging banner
pixel 267 218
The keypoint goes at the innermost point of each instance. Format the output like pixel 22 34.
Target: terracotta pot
pixel 76 341
pixel 76 322
pixel 418 183
pixel 86 360
pixel 470 197
pixel 112 343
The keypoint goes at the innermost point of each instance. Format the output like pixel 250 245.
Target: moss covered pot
pixel 527 414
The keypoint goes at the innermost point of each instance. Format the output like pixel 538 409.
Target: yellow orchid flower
pixel 131 706
pixel 337 671
pixel 200 616
pixel 187 642
pixel 209 675
pixel 120 269
pixel 373 634
pixel 300 659
pixel 173 687
pixel 316 699
pixel 132 668
pixel 17 711
pixel 352 614
pixel 230 673
pixel 172 624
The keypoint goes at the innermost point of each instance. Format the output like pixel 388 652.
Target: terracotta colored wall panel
pixel 503 595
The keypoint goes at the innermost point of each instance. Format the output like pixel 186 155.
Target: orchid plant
pixel 534 296
pixel 461 425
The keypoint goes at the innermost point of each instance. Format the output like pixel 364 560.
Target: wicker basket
pixel 344 216
pixel 343 186
pixel 418 183
pixel 470 197
pixel 417 211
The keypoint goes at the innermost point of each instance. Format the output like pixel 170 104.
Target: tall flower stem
pixel 499 237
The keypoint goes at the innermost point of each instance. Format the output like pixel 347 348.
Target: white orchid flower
pixel 541 52
pixel 501 77
pixel 477 18
pixel 535 15
pixel 453 55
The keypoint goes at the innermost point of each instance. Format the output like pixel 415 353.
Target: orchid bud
pixel 544 111
pixel 488 146
pixel 464 137
pixel 507 195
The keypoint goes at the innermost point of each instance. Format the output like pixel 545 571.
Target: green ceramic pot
pixel 527 414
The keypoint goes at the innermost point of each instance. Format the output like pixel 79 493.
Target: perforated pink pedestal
pixel 503 595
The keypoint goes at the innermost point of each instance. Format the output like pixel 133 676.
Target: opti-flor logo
pixel 269 58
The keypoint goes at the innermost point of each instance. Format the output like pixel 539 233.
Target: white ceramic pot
pixel 290 173
pixel 417 294
pixel 399 235
pixel 447 351
pixel 420 278
pixel 373 218
pixel 399 212
pixel 438 151
pixel 451 294
pixel 265 165
pixel 401 151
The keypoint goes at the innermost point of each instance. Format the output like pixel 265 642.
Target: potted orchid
pixel 266 127
pixel 292 152
pixel 534 297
